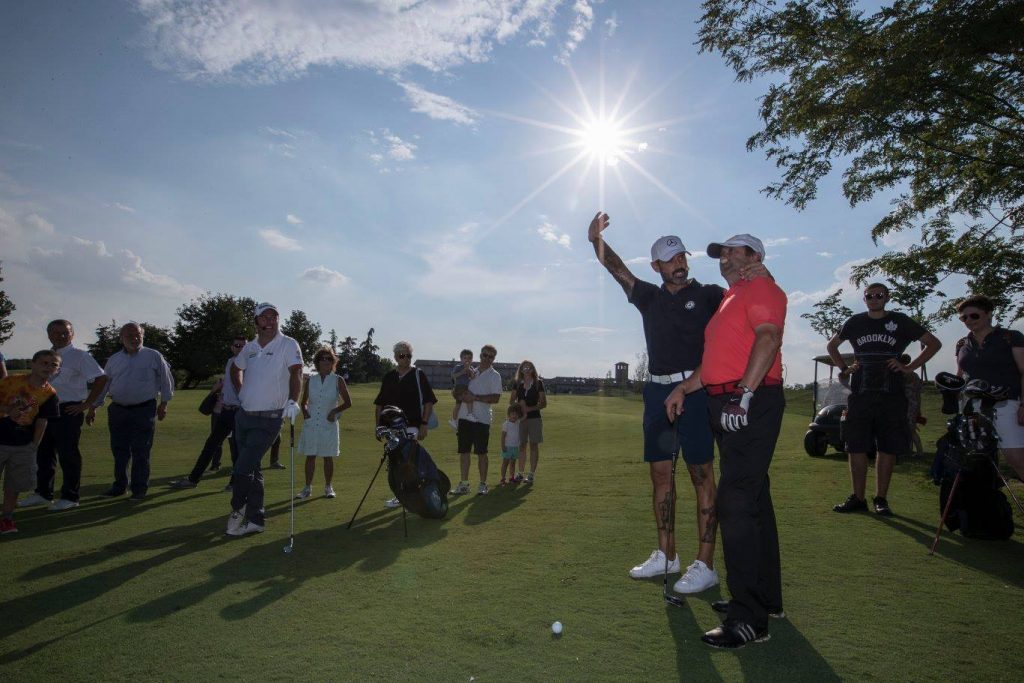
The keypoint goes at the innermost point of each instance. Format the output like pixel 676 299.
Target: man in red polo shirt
pixel 741 370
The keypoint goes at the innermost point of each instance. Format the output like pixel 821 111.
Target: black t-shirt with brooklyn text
pixel 875 342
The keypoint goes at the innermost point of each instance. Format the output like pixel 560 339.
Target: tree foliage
pixel 7 307
pixel 203 331
pixel 829 315
pixel 922 96
pixel 303 330
pixel 108 340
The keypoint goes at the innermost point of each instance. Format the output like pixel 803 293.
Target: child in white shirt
pixel 510 443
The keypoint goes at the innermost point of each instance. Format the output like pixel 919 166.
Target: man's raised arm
pixel 606 256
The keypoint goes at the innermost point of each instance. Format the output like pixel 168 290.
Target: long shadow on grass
pixel 262 573
pixel 497 502
pixel 1001 559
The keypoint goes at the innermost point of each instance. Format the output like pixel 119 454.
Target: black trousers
pixel 222 426
pixel 60 442
pixel 750 539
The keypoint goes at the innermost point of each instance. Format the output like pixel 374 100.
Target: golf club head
pixel 673 600
pixel 288 549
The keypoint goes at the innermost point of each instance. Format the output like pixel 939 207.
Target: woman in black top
pixel 996 355
pixel 529 394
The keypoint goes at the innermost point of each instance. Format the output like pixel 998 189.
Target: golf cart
pixel 828 406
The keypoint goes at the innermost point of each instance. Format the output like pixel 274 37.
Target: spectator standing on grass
pixel 674 317
pixel 876 414
pixel 528 393
pixel 267 374
pixel 27 402
pixel 461 375
pixel 408 388
pixel 996 355
pixel 475 417
pixel 324 398
pixel 510 440
pixel 222 426
pixel 137 374
pixel 60 442
pixel 741 371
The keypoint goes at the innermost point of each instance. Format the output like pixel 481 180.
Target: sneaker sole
pixel 694 591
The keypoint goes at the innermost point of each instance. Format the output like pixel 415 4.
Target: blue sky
pixel 398 165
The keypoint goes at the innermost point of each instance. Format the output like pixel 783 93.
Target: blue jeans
pixel 131 440
pixel 253 436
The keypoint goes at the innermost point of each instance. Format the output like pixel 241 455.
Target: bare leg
pixel 310 469
pixel 534 456
pixel 883 473
pixel 1015 459
pixel 482 466
pixel 464 466
pixel 522 461
pixel 703 478
pixel 328 471
pixel 859 472
pixel 10 502
pixel 663 503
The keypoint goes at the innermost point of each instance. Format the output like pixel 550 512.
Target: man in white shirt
pixel 77 371
pixel 267 374
pixel 475 419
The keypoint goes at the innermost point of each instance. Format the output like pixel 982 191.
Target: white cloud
pixel 587 331
pixel 583 20
pixel 277 132
pixel 825 254
pixel 638 259
pixel 324 275
pixel 642 147
pixel 279 241
pixel 437 106
pixel 611 24
pixel 273 40
pixel 18 234
pixel 550 233
pixel 122 207
pixel 394 148
pixel 293 219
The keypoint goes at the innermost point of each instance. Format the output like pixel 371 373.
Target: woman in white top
pixel 321 393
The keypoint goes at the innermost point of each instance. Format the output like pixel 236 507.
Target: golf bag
pixel 413 476
pixel 965 461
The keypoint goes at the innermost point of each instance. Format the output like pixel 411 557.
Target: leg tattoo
pixel 709 516
pixel 665 508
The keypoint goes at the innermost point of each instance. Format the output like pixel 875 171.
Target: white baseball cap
pixel 666 248
pixel 743 240
pixel 261 308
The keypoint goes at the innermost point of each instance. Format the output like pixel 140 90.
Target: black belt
pixel 229 408
pixel 150 402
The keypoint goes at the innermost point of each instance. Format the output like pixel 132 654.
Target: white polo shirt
pixel 486 382
pixel 265 372
pixel 77 369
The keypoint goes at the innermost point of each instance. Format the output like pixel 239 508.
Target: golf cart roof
pixel 827 360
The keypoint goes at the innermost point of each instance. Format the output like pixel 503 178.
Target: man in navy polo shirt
pixel 674 317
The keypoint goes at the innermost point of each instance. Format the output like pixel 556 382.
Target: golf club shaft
pixel 1006 484
pixel 670 523
pixel 291 495
pixel 361 500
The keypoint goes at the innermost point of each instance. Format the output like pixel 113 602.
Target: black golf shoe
pixel 722 607
pixel 881 506
pixel 734 634
pixel 851 504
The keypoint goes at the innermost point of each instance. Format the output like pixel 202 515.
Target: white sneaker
pixel 329 491
pixel 481 490
pixel 454 424
pixel 247 527
pixel 461 489
pixel 34 499
pixel 235 521
pixel 696 579
pixel 306 492
pixel 63 504
pixel 654 566
pixel 393 503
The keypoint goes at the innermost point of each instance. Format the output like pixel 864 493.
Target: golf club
pixel 1006 484
pixel 670 522
pixel 291 493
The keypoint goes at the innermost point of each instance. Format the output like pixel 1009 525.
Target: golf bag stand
pixel 945 513
pixel 383 459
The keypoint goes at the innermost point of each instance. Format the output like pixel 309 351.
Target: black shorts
pixel 877 421
pixel 473 435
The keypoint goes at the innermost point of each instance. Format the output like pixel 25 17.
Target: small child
pixel 510 443
pixel 461 375
pixel 26 403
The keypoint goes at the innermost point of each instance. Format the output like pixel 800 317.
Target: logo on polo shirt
pixel 690 305
pixel 890 326
pixel 252 354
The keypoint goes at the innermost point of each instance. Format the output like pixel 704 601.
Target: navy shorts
pixel 877 421
pixel 692 428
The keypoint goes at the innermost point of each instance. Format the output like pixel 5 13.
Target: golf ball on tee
pixel 556 628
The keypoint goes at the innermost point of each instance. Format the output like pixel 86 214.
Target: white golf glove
pixel 734 414
pixel 290 411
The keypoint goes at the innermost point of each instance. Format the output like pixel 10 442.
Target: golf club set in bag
pixel 965 465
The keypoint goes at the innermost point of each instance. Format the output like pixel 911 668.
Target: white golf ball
pixel 556 628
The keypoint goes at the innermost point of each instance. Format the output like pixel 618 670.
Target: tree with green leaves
pixel 347 358
pixel 303 330
pixel 925 97
pixel 204 329
pixel 108 340
pixel 332 341
pixel 7 307
pixel 367 358
pixel 829 315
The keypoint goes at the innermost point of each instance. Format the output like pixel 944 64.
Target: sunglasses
pixel 487 355
pixel 325 359
pixel 869 297
pixel 237 346
pixel 403 355
pixel 970 316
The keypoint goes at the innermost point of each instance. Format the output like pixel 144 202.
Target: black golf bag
pixel 413 476
pixel 966 457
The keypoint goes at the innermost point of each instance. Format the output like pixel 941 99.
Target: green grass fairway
pixel 153 591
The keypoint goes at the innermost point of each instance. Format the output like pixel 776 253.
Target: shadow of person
pixel 693 658
pixel 482 509
pixel 787 655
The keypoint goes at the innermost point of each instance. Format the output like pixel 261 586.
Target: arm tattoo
pixel 710 518
pixel 607 257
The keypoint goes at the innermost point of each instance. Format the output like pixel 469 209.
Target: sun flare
pixel 603 140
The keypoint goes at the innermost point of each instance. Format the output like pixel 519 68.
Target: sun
pixel 603 140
